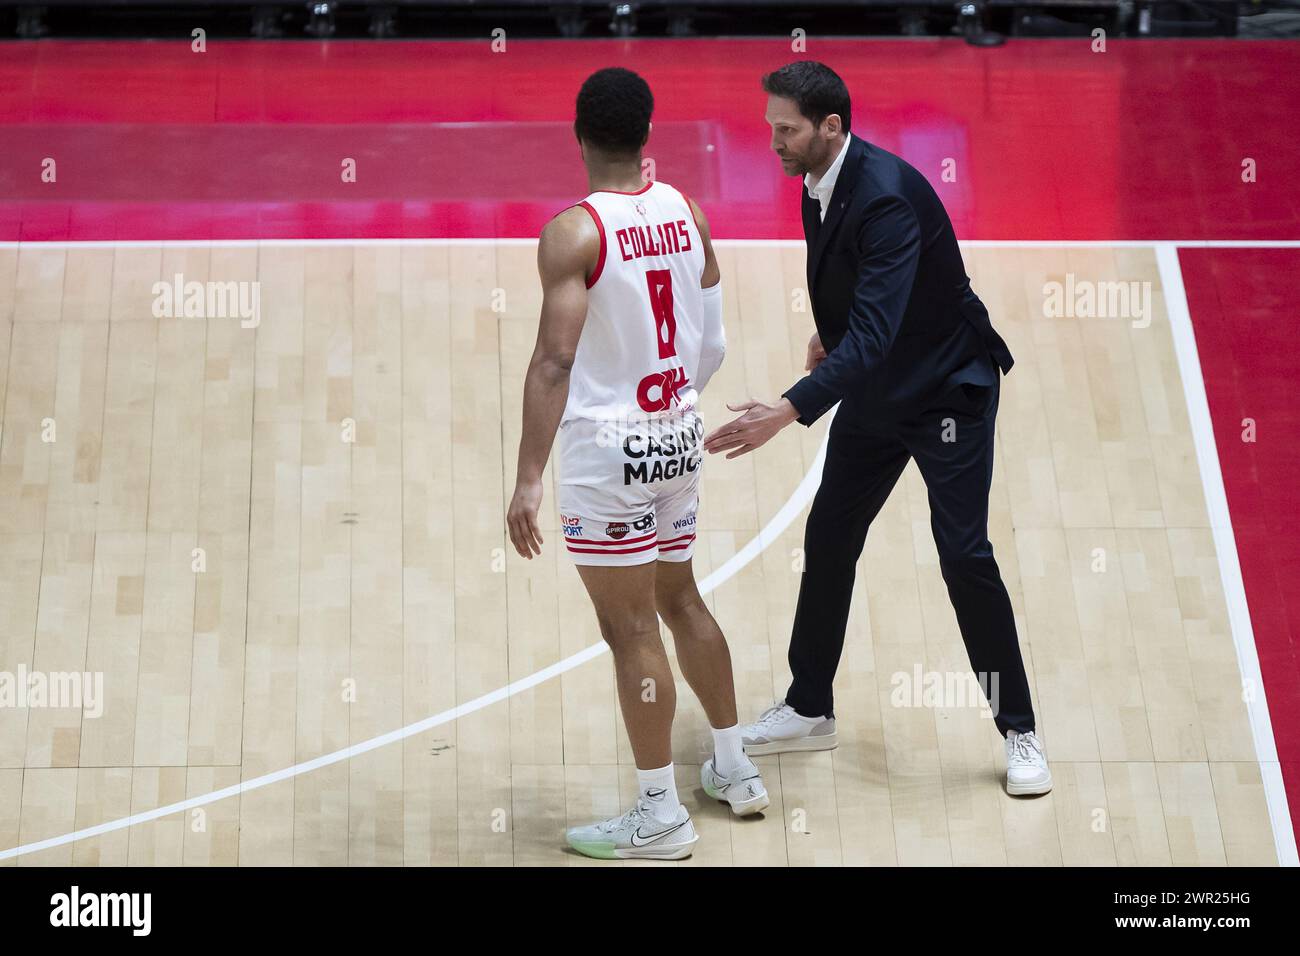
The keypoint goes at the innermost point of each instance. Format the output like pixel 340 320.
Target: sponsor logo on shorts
pixel 572 526
pixel 686 522
pixel 616 530
pixel 644 523
pixel 664 452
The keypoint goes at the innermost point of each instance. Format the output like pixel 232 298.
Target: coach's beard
pixel 792 166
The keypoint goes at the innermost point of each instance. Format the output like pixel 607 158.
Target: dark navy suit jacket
pixel 890 295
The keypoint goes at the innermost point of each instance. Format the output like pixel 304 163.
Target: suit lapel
pixel 844 186
pixel 812 224
pixel 812 220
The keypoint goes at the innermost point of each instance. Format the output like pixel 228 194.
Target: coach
pixel 907 349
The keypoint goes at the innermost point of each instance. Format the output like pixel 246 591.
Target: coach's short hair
pixel 815 88
pixel 613 113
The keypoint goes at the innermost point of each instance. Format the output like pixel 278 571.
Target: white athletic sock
pixel 659 791
pixel 728 750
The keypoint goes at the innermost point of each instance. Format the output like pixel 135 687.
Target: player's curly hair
pixel 613 114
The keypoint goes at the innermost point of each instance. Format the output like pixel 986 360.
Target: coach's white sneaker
pixel 636 835
pixel 779 730
pixel 1027 771
pixel 742 788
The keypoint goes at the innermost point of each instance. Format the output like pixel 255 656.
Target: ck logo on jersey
pixel 659 391
pixel 616 530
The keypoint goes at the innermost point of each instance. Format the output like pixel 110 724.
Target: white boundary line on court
pixel 755 546
pixel 1225 547
pixel 1171 279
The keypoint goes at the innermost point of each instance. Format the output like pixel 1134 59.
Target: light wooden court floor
pixel 354 583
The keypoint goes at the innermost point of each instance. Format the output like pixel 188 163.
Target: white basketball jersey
pixel 639 350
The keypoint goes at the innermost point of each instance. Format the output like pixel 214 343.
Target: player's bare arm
pixel 566 255
pixel 760 420
pixel 713 341
pixel 711 274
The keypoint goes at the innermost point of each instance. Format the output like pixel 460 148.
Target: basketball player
pixel 630 332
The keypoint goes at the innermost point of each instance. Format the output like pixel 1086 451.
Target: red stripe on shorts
pixel 607 544
pixel 684 537
pixel 644 547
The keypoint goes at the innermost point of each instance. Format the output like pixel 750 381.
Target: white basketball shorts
pixel 628 494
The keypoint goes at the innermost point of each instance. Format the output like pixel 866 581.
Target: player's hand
pixel 521 518
pixel 751 430
pixel 815 352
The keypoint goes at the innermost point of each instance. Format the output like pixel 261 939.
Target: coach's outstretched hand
pixel 521 519
pixel 751 430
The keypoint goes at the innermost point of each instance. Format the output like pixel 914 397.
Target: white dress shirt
pixel 821 189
